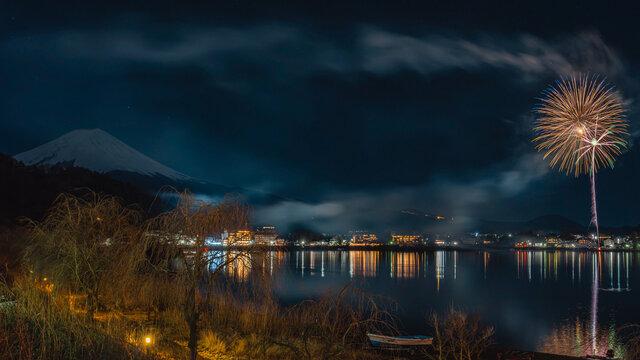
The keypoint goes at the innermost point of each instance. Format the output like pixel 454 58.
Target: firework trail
pixel 581 126
pixel 595 145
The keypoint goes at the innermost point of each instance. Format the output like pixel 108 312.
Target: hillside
pixel 28 191
pixel 99 151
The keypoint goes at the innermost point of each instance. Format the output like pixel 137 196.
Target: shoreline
pixel 411 248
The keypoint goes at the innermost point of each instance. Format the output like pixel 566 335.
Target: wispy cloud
pixel 290 50
pixel 385 52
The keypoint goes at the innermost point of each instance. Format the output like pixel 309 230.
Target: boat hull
pixel 417 340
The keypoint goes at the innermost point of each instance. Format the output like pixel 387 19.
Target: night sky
pixel 355 108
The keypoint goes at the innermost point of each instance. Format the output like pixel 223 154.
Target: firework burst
pixel 568 111
pixel 581 127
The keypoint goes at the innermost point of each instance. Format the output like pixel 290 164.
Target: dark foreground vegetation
pixel 98 280
pixel 29 191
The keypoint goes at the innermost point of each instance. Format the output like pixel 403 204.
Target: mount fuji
pixel 99 151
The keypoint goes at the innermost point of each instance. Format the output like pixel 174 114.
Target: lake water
pixel 564 302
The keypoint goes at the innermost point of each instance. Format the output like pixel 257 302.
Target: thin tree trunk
pixel 193 340
pixel 91 305
pixel 192 320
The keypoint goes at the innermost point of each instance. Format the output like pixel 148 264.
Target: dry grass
pixel 238 324
pixel 127 289
pixel 252 324
pixel 40 325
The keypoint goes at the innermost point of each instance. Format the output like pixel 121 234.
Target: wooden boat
pixel 416 340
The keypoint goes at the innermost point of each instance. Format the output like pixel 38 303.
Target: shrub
pixel 458 335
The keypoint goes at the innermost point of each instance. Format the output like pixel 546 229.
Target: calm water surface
pixel 560 302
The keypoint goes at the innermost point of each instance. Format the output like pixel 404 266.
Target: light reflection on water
pixel 592 337
pixel 562 302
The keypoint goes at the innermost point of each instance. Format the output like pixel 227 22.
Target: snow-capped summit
pixel 97 150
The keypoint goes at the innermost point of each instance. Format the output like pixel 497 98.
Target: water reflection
pixel 238 266
pixel 364 264
pixel 586 335
pixel 360 264
pixel 232 263
pixel 440 267
pixel 404 265
pixel 577 338
pixel 565 302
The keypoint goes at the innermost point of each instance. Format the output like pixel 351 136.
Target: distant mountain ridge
pixel 547 223
pixel 415 219
pixel 99 151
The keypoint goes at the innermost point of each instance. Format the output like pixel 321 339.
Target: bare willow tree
pixel 180 257
pixel 329 326
pixel 81 242
pixel 458 335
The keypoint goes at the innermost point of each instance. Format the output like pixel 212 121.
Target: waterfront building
pixel 241 237
pixel 405 239
pixel 363 238
pixel 265 235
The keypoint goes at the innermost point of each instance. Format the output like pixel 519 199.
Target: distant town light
pixel 401 238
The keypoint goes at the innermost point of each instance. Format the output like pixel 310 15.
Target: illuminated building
pixel 361 238
pixel 584 241
pixel 265 235
pixel 402 239
pixel 241 237
pixel 338 240
pixel 469 240
pixel 607 241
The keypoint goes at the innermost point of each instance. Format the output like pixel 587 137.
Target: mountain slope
pixel 101 152
pixel 96 150
pixel 28 191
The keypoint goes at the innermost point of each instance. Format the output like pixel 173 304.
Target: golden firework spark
pixel 571 110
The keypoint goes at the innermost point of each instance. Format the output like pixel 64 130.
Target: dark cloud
pixel 358 121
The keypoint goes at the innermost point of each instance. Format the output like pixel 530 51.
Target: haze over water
pixel 553 301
